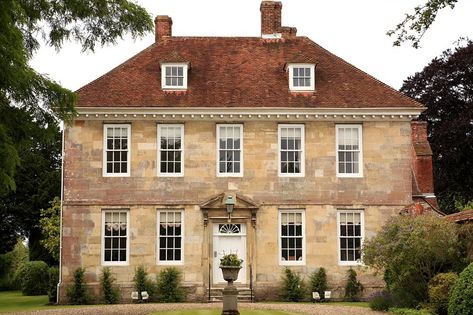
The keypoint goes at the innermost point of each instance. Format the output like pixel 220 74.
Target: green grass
pixel 14 301
pixel 219 311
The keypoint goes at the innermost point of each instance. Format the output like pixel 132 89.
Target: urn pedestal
pixel 230 292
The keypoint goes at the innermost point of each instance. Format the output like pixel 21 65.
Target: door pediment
pixel 217 202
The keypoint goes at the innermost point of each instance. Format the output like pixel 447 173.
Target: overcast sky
pixel 353 30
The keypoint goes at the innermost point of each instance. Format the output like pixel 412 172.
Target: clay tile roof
pixel 173 56
pixel 238 72
pixel 459 217
pixel 302 58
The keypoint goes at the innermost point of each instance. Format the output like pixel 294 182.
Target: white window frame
pixel 291 262
pixel 362 232
pixel 302 173
pixel 185 68
pixel 104 164
pixel 128 230
pixel 161 174
pixel 158 222
pixel 240 174
pixel 360 146
pixel 310 88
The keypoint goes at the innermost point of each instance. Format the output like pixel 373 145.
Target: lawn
pixel 219 311
pixel 14 301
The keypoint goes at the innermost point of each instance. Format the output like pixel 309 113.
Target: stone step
pixel 244 295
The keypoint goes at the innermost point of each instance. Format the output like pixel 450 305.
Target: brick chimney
pixel 163 27
pixel 422 159
pixel 270 17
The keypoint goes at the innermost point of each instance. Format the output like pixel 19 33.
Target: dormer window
pixel 174 76
pixel 301 77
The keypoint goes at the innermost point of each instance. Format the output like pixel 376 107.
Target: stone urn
pixel 230 273
pixel 230 265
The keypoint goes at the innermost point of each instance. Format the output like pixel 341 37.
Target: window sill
pixel 170 263
pixel 350 263
pixel 115 263
pixel 292 263
pixel 117 175
pixel 349 175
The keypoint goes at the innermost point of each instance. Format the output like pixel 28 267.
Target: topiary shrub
pixel 78 292
pixel 353 287
pixel 169 287
pixel 110 292
pixel 461 296
pixel 381 301
pixel 292 288
pixel 142 283
pixel 318 282
pixel 440 288
pixel 33 278
pixel 53 273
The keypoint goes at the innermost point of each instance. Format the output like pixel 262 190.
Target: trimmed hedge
pixel 461 297
pixel 33 278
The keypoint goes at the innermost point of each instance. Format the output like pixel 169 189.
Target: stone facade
pixel 382 192
pixel 257 83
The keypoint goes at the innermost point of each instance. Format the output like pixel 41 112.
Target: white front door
pixel 229 238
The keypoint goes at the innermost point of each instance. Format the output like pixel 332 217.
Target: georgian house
pixel 269 147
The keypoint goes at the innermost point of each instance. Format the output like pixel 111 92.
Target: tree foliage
pixel 445 86
pixel 50 221
pixel 21 23
pixel 31 103
pixel 414 25
pixel 411 251
pixel 38 142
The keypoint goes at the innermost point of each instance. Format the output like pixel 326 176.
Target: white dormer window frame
pixel 301 77
pixel 174 76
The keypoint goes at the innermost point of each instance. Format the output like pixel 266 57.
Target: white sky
pixel 352 29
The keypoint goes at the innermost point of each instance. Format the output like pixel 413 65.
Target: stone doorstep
pixel 244 295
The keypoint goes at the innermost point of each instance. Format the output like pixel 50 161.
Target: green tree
pixel 414 25
pixel 31 103
pixel 38 142
pixel 50 221
pixel 411 251
pixel 88 22
pixel 445 86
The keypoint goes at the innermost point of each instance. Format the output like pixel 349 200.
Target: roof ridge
pixel 311 42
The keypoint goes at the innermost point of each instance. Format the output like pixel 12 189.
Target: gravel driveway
pixel 144 309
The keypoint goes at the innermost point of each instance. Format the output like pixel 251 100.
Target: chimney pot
pixel 163 27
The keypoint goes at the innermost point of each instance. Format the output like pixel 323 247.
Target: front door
pixel 229 238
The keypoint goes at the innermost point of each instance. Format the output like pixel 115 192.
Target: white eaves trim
pixel 248 113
